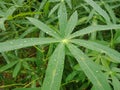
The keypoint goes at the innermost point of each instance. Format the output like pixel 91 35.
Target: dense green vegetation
pixel 60 44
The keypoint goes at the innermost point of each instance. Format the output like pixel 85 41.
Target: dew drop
pixel 11 42
pixel 96 71
pixel 21 44
pixel 25 41
pixel 55 60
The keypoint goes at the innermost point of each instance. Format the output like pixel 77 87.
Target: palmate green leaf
pixel 95 28
pixel 54 70
pixel 115 83
pixel 71 24
pixel 91 69
pixel 71 76
pixel 43 27
pixel 7 60
pixel 5 67
pixel 99 48
pixel 21 43
pixel 62 17
pixel 99 10
pixel 16 69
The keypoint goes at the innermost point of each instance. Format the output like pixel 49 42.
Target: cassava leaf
pixel 99 10
pixel 5 67
pixel 16 69
pixel 29 30
pixel 91 69
pixel 111 12
pixel 2 26
pixel 71 24
pixel 21 43
pixel 6 16
pixel 100 48
pixel 91 29
pixel 69 3
pixel 43 27
pixel 62 17
pixel 54 69
pixel 116 83
pixel 53 9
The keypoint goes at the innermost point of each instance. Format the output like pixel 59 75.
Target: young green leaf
pixel 99 10
pixel 21 43
pixel 69 3
pixel 2 20
pixel 91 69
pixel 53 9
pixel 117 40
pixel 43 27
pixel 29 30
pixel 6 57
pixel 16 69
pixel 111 12
pixel 91 29
pixel 116 83
pixel 100 48
pixel 26 65
pixel 54 69
pixel 6 15
pixel 5 67
pixel 71 24
pixel 42 4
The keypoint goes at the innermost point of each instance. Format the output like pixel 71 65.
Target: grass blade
pixel 43 27
pixel 91 69
pixel 95 28
pixel 99 48
pixel 55 69
pixel 21 43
